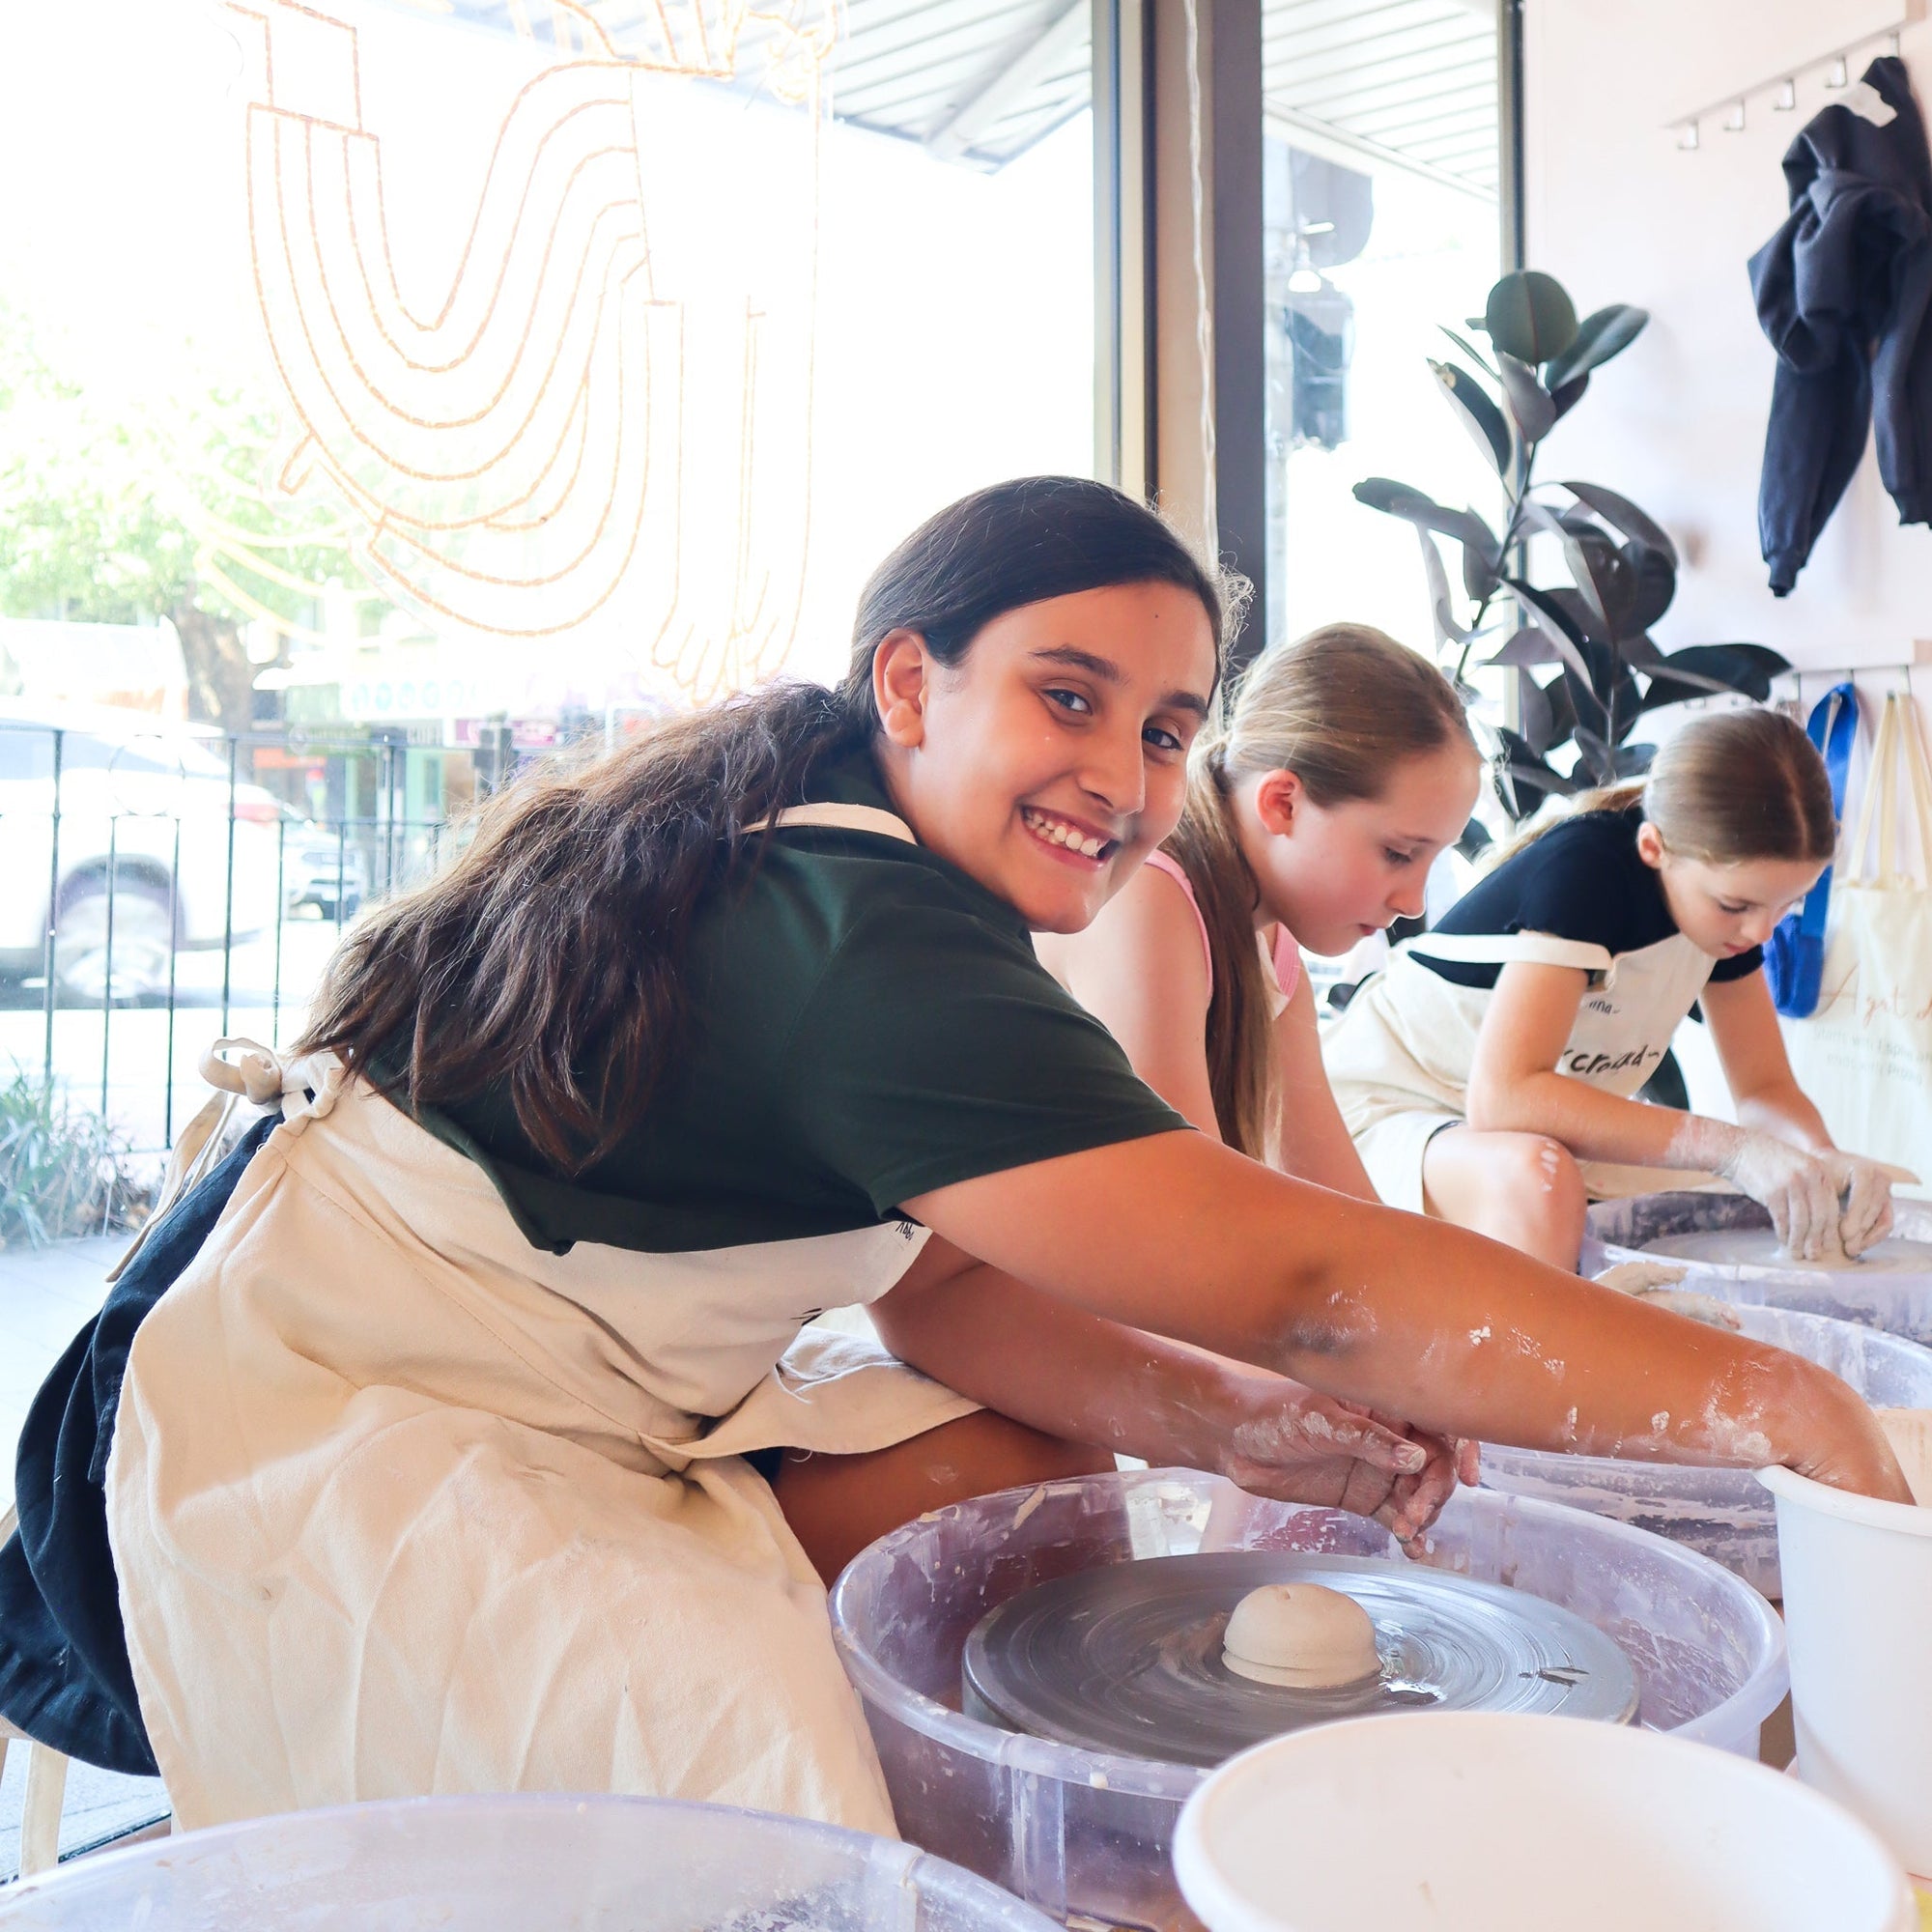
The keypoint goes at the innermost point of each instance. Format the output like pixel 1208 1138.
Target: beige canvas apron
pixel 402 1504
pixel 1399 1058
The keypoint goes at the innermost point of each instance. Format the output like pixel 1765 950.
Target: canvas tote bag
pixel 1866 1054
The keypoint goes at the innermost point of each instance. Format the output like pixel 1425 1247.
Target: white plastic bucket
pixel 1478 1822
pixel 1857 1613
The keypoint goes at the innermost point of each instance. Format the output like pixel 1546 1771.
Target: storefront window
pixel 580 349
pixel 1379 203
pixel 391 389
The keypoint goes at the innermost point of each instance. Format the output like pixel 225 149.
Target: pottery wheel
pixel 1759 1247
pixel 1126 1660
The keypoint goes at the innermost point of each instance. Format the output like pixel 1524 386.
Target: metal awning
pixel 1397 83
pixel 1409 84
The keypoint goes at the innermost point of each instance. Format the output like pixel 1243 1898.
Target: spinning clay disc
pixel 1158 1658
pixel 1301 1634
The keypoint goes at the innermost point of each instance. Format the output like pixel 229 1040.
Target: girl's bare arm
pixel 1515 1085
pixel 1181 1237
pixel 1071 1373
pixel 1751 1048
pixel 1313 1142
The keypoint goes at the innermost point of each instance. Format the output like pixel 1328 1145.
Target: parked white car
pixel 145 803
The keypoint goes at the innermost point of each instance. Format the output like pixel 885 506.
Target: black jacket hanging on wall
pixel 1842 291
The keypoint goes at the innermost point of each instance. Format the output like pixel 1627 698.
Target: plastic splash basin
pixel 503 1864
pixel 1082 1834
pixel 1901 1303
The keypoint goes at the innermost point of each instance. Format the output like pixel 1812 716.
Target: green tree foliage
pixel 166 508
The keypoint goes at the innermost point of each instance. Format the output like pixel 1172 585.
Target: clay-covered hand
pixel 1794 1187
pixel 1864 1187
pixel 1287 1442
pixel 1659 1283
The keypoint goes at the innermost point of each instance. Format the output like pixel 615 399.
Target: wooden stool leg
pixel 39 1820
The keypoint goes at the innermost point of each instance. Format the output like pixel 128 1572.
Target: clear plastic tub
pixel 503 1864
pixel 1901 1304
pixel 1724 1513
pixel 1087 1835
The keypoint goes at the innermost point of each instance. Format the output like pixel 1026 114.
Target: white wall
pixel 1618 212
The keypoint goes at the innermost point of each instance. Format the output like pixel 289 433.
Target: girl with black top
pixel 1489 1075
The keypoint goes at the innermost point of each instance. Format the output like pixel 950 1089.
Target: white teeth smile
pixel 1057 832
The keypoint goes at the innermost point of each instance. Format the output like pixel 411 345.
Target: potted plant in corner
pixel 1620 566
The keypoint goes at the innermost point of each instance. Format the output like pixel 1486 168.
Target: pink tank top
pixel 1285 962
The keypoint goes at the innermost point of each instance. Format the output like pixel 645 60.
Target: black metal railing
pixel 159 884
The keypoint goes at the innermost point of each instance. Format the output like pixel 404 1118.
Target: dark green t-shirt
pixel 868 1023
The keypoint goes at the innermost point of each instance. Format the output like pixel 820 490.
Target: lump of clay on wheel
pixel 1301 1636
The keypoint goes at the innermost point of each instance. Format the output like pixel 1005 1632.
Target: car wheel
pixel 143 939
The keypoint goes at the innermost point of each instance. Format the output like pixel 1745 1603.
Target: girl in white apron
pixel 1489 1074
pixel 440 1466
pixel 1345 768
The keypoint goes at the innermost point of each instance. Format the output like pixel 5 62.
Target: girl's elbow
pixel 1496 1105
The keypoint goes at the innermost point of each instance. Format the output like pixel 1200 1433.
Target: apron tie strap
pixel 305 1088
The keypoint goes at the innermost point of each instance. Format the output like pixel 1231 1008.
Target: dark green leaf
pixel 1482 573
pixel 1566 396
pixel 1468 348
pixel 1632 760
pixel 1398 499
pixel 1538 717
pixel 1447 630
pixel 1599 762
pixel 1531 317
pixel 1603 580
pixel 1599 335
pixel 1748 668
pixel 1528 400
pixel 1480 416
pixel 1593 714
pixel 1655 577
pixel 1549 616
pixel 1523 764
pixel 1623 516
pixel 1562 712
pixel 1531 646
pixel 1584 621
pixel 1475 839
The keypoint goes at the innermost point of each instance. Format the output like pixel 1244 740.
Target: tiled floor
pixel 45 1295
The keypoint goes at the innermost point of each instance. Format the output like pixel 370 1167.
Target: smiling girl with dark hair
pixel 447 1462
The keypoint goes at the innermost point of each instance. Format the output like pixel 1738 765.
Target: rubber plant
pixel 1593 632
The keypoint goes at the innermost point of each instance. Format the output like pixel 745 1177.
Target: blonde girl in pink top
pixel 1312 819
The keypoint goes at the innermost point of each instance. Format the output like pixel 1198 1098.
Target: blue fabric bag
pixel 1794 962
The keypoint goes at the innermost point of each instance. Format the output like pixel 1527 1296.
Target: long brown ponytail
pixel 1728 788
pixel 1339 709
pixel 549 960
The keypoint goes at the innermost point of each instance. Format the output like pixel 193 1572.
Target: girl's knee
pixel 1549 1196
